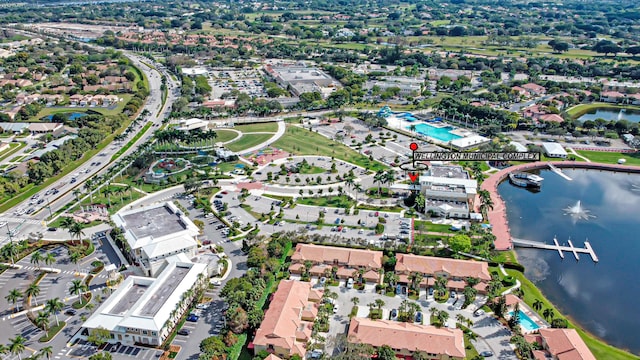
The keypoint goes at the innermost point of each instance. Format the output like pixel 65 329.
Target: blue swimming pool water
pixel 438 133
pixel 525 321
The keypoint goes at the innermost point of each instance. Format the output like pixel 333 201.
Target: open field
pixel 258 127
pixel 80 109
pixel 13 148
pixel 610 157
pixel 304 142
pixel 225 135
pixel 247 141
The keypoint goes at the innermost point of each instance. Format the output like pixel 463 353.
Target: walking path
pixel 574 153
pixel 498 215
pixel 281 129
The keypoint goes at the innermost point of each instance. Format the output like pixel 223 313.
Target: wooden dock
pixel 559 248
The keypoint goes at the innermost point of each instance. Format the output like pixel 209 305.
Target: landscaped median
pixel 132 141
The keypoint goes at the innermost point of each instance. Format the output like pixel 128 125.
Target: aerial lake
pixel 602 297
pixel 611 114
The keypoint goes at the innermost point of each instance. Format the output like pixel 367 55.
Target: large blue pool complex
pixel 439 133
pixel 525 321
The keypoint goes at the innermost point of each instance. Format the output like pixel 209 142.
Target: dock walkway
pixel 559 172
pixel 559 248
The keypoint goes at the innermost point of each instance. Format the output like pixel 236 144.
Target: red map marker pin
pixel 413 176
pixel 413 146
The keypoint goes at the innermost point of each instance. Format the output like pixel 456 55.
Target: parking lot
pixel 248 81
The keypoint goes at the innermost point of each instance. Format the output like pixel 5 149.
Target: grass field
pixel 247 141
pixel 225 135
pixel 599 349
pixel 610 157
pixel 579 110
pixel 304 142
pixel 258 127
pixel 342 201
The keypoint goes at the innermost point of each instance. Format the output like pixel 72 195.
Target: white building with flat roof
pixel 191 124
pixel 141 310
pixel 554 150
pixel 469 142
pixel 156 232
pixel 448 190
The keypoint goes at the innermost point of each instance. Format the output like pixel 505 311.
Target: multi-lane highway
pixel 29 215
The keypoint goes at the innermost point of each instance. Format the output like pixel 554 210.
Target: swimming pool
pixel 439 133
pixel 407 116
pixel 525 321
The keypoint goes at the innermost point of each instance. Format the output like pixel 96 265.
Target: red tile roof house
pixel 288 321
pixel 407 338
pixel 455 271
pixel 612 96
pixel 347 260
pixel 75 99
pixel 522 92
pixel 535 89
pixel 564 344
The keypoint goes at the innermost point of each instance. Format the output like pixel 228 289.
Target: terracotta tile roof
pixel 615 94
pixel 296 268
pixel 412 337
pixel 428 265
pixel 283 325
pixel 534 87
pixel 371 275
pixel 511 299
pixel 272 357
pixel 539 355
pixel 346 272
pixel 566 344
pixel 345 256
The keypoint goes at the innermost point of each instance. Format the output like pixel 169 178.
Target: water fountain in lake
pixel 577 212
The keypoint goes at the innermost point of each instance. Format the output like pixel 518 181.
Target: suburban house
pixel 407 338
pixel 144 310
pixel 534 89
pixel 520 91
pixel 455 271
pixel 448 189
pixel 75 99
pixel 288 321
pixel 45 128
pixel 561 344
pixel 612 96
pixel 347 261
pixel 157 234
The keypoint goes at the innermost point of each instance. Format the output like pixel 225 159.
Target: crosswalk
pixel 20 220
pixel 67 272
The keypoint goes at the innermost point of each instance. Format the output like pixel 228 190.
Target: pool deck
pixel 398 122
pixel 498 215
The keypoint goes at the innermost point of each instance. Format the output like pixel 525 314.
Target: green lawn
pixel 429 226
pixel 312 170
pixel 342 201
pixel 132 141
pixel 304 142
pixel 258 127
pixel 610 157
pixel 247 141
pixel 225 135
pixel 599 349
pixel 13 148
pixel 582 109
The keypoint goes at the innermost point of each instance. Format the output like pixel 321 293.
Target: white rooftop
pixel 146 303
pixel 469 141
pixel 554 149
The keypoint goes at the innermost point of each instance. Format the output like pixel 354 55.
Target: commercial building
pixel 156 232
pixel 455 271
pixel 468 142
pixel 191 124
pixel 288 322
pixel 144 310
pixel 347 261
pixel 554 150
pixel 448 190
pixel 408 338
pixel 301 79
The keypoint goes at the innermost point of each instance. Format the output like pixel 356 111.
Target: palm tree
pixel 54 306
pixel 355 301
pixel 379 178
pixel 548 314
pixel 32 292
pixel 78 288
pixel 415 278
pixel 76 231
pixel 412 127
pixel 3 349
pixel 42 320
pixel 13 297
pixel 10 250
pixel 461 319
pixel 36 257
pixel 47 351
pixel 128 189
pixel 75 257
pixel 76 193
pixel 442 316
pixel 88 185
pixel 49 258
pixel 16 346
pixel 66 222
pixel 379 303
pixel 537 305
pixel 107 192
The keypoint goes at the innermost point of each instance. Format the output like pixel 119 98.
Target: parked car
pixel 394 314
pixel 323 280
pixel 70 312
pixel 486 354
pixel 183 332
pixel 430 291
pixel 350 283
pixel 192 318
pixel 452 294
pixel 478 312
pixel 419 317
